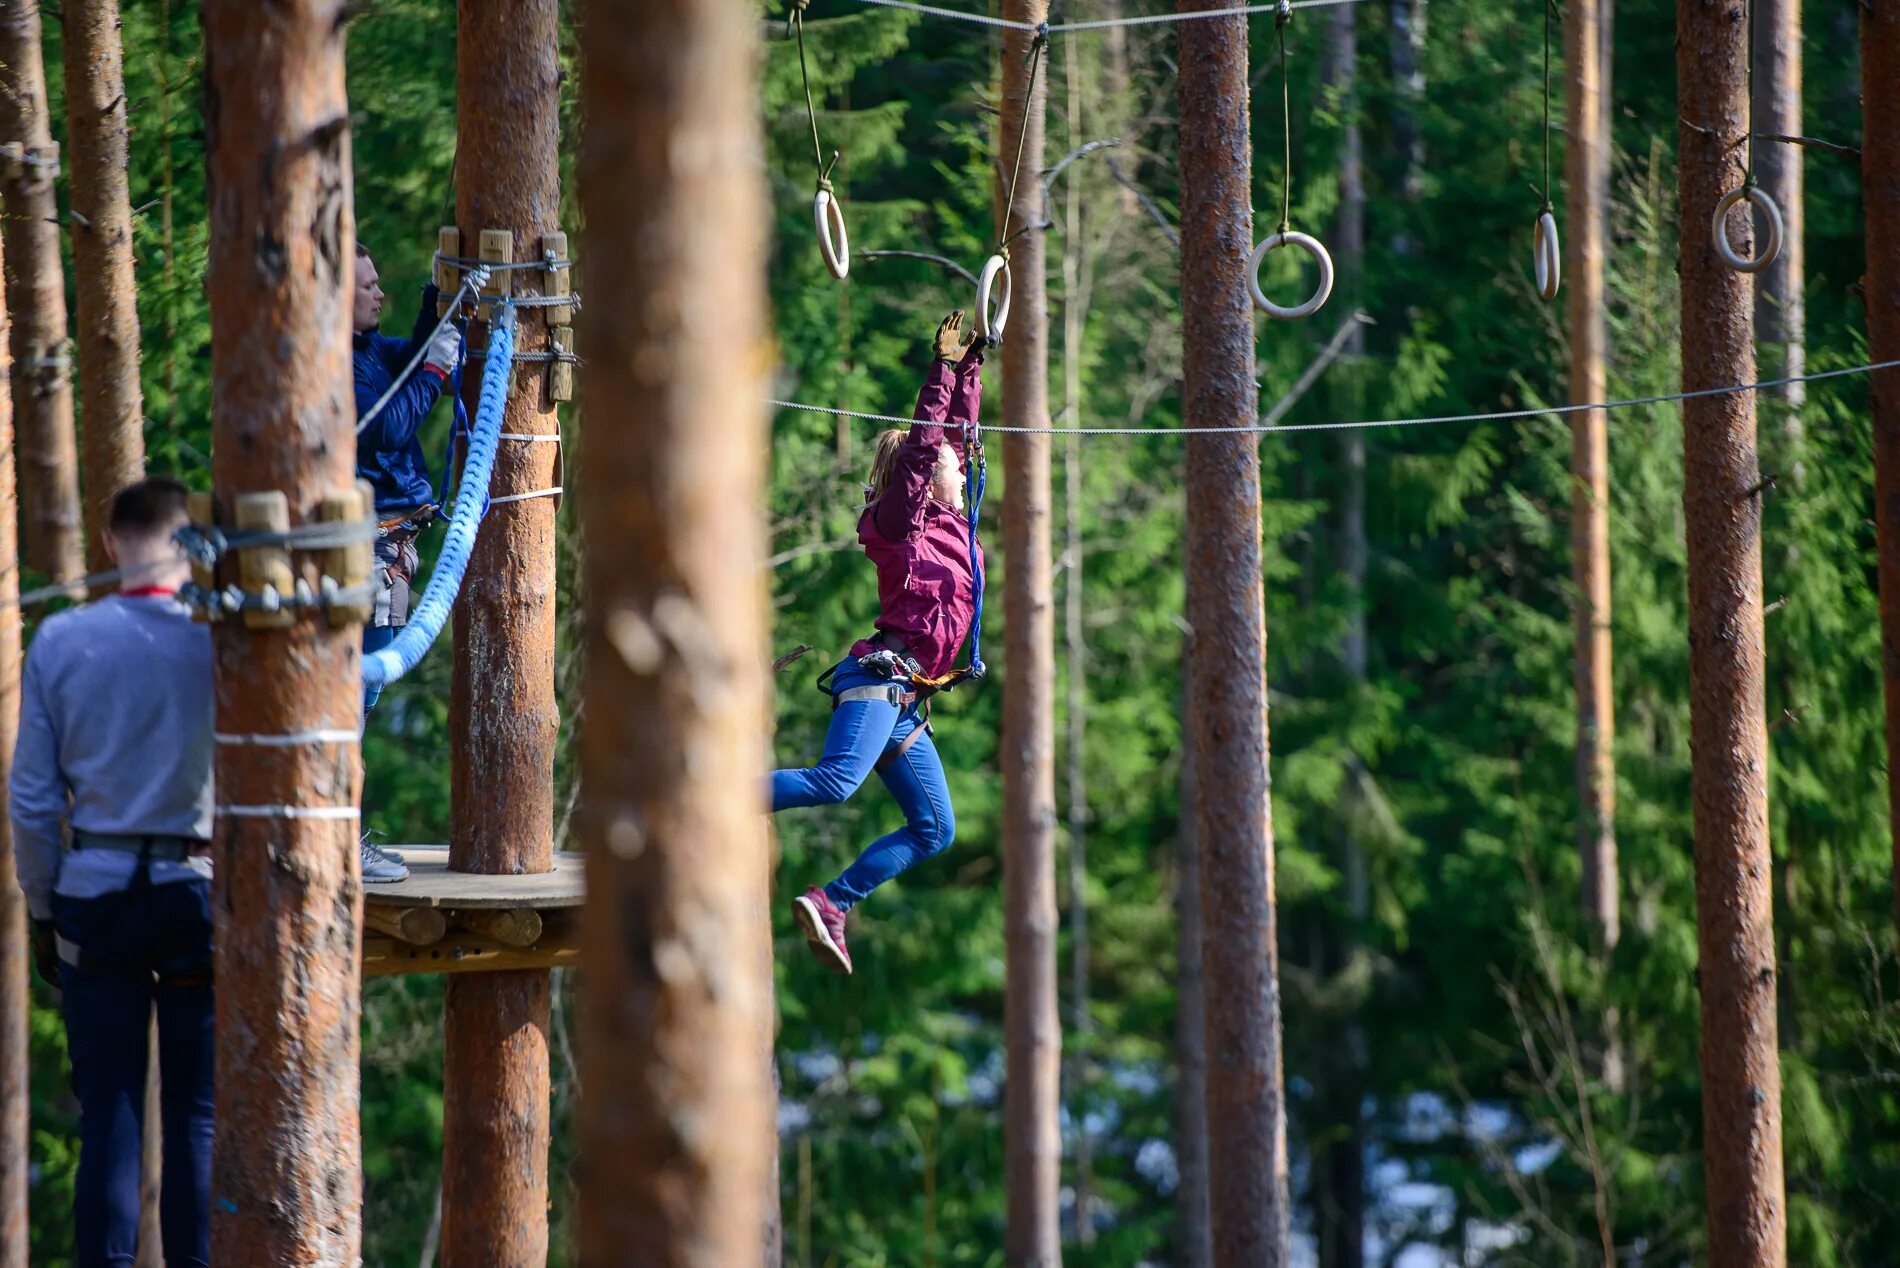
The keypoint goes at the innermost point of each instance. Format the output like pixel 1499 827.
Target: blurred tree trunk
pixel 15 1001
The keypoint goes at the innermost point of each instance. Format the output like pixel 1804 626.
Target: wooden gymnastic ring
pixel 990 325
pixel 1547 257
pixel 833 239
pixel 1770 213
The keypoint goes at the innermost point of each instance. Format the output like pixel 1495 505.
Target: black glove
pixel 46 951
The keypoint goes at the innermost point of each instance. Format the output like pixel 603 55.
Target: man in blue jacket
pixel 111 807
pixel 389 455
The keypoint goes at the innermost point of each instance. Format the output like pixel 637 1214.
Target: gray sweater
pixel 116 710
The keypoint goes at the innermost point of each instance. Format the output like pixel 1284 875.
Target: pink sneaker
pixel 823 923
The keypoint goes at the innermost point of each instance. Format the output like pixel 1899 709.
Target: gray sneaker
pixel 394 856
pixel 379 866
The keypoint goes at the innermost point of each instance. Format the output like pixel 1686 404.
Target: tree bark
pixel 1780 307
pixel 287 901
pixel 503 718
pixel 111 410
pixel 1590 473
pixel 1076 285
pixel 14 997
pixel 1032 1139
pixel 675 1116
pixel 1340 1181
pixel 47 458
pixel 1741 1074
pixel 1227 703
pixel 1880 179
pixel 1193 1236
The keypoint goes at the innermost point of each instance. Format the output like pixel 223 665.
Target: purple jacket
pixel 925 582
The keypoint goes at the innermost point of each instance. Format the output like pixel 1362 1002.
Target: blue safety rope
pixel 471 502
pixel 975 477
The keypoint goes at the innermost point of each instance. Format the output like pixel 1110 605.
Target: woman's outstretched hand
pixel 951 339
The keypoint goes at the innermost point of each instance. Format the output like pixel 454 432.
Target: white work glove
pixel 443 349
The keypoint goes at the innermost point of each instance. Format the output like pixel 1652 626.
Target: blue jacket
pixel 389 451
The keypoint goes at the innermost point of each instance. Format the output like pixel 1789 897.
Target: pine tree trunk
pixel 675 1115
pixel 1340 1184
pixel 1032 1140
pixel 1589 467
pixel 502 714
pixel 1193 1236
pixel 1741 1073
pixel 1408 139
pixel 287 1146
pixel 1880 179
pixel 1227 691
pixel 14 999
pixel 47 459
pixel 110 407
pixel 1076 285
pixel 1780 308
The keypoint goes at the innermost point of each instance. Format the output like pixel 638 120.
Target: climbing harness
pixel 991 321
pixel 834 242
pixel 1547 261
pixel 1754 194
pixel 405 652
pixel 1287 236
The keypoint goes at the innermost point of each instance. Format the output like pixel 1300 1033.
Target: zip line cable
pixel 1100 24
pixel 1258 429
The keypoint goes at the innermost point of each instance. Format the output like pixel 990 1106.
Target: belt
pixel 160 846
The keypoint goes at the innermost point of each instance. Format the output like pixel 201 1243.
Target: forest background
pixel 1445 1019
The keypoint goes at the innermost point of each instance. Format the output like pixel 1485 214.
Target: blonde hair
pixel 883 463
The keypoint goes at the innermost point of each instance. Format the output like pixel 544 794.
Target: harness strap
pixel 922 729
pixel 887 692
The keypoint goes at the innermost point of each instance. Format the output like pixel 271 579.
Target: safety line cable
pixel 1101 24
pixel 1282 18
pixel 1494 416
pixel 1036 47
pixel 1547 7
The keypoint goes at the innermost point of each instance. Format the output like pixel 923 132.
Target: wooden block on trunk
pixel 497 247
pixel 555 285
pixel 265 567
pixel 448 241
pixel 561 373
pixel 199 507
pixel 349 566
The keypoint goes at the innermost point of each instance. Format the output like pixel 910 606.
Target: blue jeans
pixel 144 947
pixel 375 638
pixel 861 732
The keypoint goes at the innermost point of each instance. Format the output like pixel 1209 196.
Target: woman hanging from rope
pixel 929 582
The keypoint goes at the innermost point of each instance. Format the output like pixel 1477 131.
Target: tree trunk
pixel 151 1251
pixel 14 998
pixel 1590 474
pixel 1741 1073
pixel 1032 1140
pixel 1076 285
pixel 1227 699
pixel 1340 1182
pixel 287 1148
pixel 47 466
pixel 1193 1240
pixel 1408 139
pixel 1880 178
pixel 502 714
pixel 675 1115
pixel 110 407
pixel 1780 309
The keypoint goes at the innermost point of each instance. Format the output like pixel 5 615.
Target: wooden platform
pixel 439 921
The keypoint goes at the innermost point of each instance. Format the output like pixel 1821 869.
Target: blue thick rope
pixel 976 476
pixel 471 502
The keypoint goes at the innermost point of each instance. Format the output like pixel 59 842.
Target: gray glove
pixel 443 349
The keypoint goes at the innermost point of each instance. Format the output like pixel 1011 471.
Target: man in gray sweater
pixel 112 808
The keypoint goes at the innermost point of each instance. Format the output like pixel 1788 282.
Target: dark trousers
pixel 148 946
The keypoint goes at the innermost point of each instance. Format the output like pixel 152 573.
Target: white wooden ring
pixel 1312 247
pixel 990 325
pixel 1547 256
pixel 833 240
pixel 1771 215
